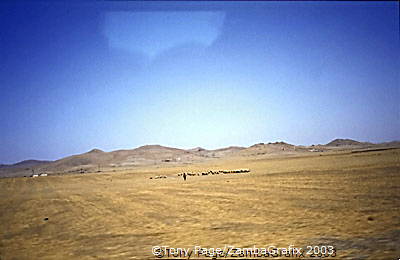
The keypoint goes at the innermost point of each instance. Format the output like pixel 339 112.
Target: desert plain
pixel 347 199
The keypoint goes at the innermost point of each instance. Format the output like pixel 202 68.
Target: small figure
pixel 184 176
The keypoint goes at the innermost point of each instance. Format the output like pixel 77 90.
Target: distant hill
pixel 96 159
pixel 275 148
pixel 96 151
pixel 217 153
pixel 144 155
pixel 26 163
pixel 346 142
pixel 391 144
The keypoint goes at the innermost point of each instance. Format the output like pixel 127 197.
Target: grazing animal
pixel 213 172
pixel 160 177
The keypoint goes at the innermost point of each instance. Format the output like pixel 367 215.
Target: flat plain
pixel 348 200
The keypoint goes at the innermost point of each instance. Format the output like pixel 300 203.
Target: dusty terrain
pixel 150 155
pixel 348 200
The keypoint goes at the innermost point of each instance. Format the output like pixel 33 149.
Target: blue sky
pixel 117 75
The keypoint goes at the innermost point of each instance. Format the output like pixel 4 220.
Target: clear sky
pixel 117 75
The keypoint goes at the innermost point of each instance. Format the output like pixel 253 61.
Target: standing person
pixel 184 176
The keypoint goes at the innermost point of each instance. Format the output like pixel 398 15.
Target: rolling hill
pixel 149 155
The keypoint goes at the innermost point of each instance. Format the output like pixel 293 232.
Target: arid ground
pixel 348 200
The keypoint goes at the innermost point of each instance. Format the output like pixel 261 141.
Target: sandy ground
pixel 347 200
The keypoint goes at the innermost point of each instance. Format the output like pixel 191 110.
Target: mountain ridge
pixel 154 154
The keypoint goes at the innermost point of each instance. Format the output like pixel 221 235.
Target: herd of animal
pixel 214 172
pixel 205 173
pixel 159 177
